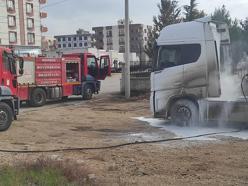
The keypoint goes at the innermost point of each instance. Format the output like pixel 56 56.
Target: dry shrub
pixel 71 170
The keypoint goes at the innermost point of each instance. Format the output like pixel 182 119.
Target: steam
pixel 231 92
pixel 230 85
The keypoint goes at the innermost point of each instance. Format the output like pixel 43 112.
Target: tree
pixel 191 12
pixel 222 15
pixel 238 45
pixel 244 24
pixel 169 14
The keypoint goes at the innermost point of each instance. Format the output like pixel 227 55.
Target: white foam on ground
pixel 193 131
pixel 143 136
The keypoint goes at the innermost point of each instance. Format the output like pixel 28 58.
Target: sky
pixel 66 16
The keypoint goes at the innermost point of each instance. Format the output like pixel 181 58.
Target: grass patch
pixel 45 172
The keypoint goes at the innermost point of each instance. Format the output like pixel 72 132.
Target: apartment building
pixel 20 24
pixel 113 38
pixel 81 40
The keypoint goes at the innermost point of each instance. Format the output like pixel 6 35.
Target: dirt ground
pixel 107 120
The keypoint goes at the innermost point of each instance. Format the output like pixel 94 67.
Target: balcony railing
pixel 43 15
pixel 42 2
pixel 43 29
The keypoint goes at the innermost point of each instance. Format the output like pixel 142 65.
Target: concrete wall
pixel 137 84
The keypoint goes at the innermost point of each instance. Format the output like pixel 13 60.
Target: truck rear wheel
pixel 38 97
pixel 6 116
pixel 88 92
pixel 184 112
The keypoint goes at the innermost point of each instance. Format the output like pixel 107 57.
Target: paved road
pixel 111 84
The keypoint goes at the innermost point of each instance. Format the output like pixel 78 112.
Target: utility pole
pixel 127 51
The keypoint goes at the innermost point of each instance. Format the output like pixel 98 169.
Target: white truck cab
pixel 186 68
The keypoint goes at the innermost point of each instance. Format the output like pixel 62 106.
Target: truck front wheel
pixel 184 112
pixel 38 97
pixel 6 116
pixel 88 92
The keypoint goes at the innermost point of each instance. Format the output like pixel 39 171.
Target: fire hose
pixel 245 77
pixel 118 145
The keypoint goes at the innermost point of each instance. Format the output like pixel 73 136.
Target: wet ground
pixel 108 120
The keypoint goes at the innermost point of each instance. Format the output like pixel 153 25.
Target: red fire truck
pixel 58 78
pixel 9 102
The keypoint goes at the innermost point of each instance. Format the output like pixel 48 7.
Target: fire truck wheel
pixel 185 113
pixel 38 97
pixel 6 116
pixel 88 92
pixel 64 98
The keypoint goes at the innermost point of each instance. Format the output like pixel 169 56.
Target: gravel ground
pixel 107 120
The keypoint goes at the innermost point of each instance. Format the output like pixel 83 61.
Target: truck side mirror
pixel 21 66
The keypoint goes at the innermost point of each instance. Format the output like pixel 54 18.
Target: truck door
pixel 167 78
pixel 104 67
pixel 92 66
pixel 9 76
pixel 195 68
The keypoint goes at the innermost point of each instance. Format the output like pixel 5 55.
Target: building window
pixel 121 32
pixel 59 45
pixel 109 33
pixel 30 23
pixel 69 45
pixel 75 39
pixel 69 38
pixel 85 44
pixel 145 30
pixel 110 47
pixel 12 37
pixel 31 38
pixel 80 44
pixel 122 49
pixel 11 5
pixel 59 39
pixel 80 38
pixel 12 21
pixel 85 38
pixel 121 40
pixel 75 44
pixel 63 38
pixel 109 41
pixel 29 8
pixel 64 45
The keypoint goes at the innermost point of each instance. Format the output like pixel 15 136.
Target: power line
pixel 53 4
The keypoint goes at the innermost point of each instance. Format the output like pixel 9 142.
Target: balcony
pixel 43 15
pixel 109 35
pixel 121 34
pixel 43 29
pixel 42 2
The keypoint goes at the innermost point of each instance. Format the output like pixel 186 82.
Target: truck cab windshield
pixel 9 62
pixel 176 55
pixel 169 56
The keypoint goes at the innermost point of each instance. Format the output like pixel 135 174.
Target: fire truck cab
pixel 9 102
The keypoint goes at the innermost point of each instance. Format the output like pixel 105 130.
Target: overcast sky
pixel 68 16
